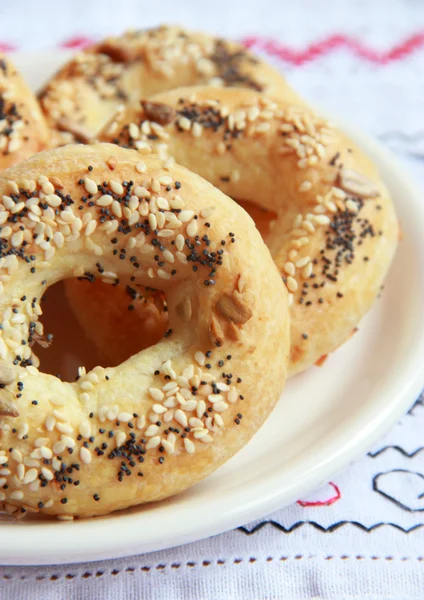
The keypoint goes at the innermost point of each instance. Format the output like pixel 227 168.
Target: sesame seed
pixel 308 226
pixel 85 455
pixel 322 219
pixel 64 428
pixel 290 268
pixel 352 206
pixel 292 284
pixel 90 228
pixel 47 187
pixel 46 452
pixel 200 358
pixel 120 439
pixel 169 163
pixel 192 228
pixel 116 209
pixel 151 430
pixel 189 406
pixel 47 474
pixel 305 186
pixel 152 221
pixel 163 274
pixel 330 206
pixel 220 406
pixel 86 385
pixel 302 262
pixel 110 275
pixel 168 256
pixel 124 417
pixel 179 242
pixel 116 187
pixel 307 271
pixel 184 123
pixel 17 239
pixel 153 442
pixel 20 472
pixel 59 447
pixel 185 215
pixel 50 423
pixel 141 422
pixel 156 394
pixel 197 129
pixel 52 200
pixel 162 203
pixel 189 446
pixel 16 495
pixel 262 127
pixel 198 434
pixel 180 417
pixel 104 200
pixel 89 185
pixel 30 476
pixel 133 131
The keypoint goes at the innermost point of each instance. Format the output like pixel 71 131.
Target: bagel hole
pixel 78 341
pixel 263 218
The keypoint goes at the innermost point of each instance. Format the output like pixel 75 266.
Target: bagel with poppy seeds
pixel 86 91
pixel 336 230
pixel 171 414
pixel 23 129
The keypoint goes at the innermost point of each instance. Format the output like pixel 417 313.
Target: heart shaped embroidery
pixel 402 487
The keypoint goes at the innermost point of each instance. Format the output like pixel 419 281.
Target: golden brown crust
pixel 23 129
pixel 171 414
pixel 336 230
pixel 80 99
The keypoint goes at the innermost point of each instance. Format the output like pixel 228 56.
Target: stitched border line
pixel 205 563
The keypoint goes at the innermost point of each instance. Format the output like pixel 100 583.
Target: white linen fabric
pixel 363 534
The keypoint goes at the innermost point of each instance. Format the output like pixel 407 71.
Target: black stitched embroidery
pixel 398 449
pixel 328 529
pixel 416 404
pixel 377 484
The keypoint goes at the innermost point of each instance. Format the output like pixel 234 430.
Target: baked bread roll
pixel 23 129
pixel 170 415
pixel 335 232
pixel 85 93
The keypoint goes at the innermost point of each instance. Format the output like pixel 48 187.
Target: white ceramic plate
pixel 326 417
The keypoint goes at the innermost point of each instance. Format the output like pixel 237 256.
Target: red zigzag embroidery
pixel 287 54
pixel 331 44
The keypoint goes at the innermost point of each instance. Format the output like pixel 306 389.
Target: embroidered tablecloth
pixel 363 533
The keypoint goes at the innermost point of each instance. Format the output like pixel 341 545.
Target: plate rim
pixel 340 452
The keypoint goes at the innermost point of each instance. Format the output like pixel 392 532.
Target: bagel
pixel 23 129
pixel 84 94
pixel 169 415
pixel 335 232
